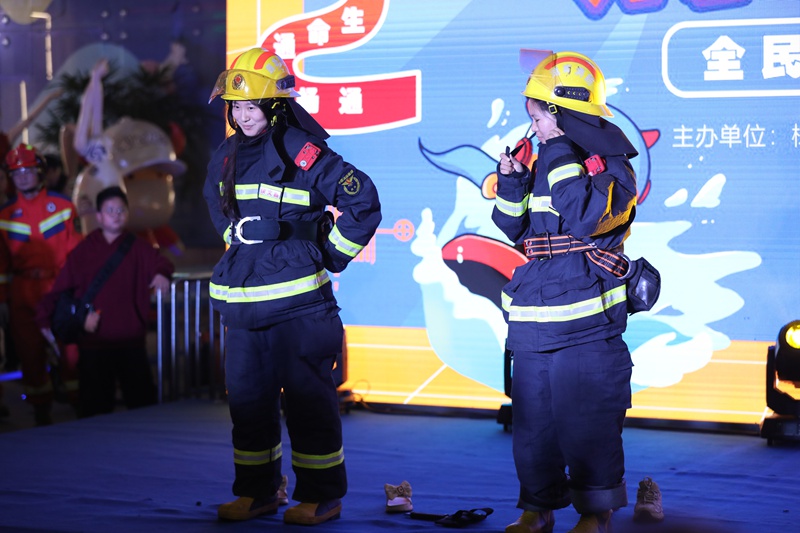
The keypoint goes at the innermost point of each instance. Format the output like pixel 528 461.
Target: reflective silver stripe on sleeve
pixel 572 170
pixel 512 209
pixel 342 244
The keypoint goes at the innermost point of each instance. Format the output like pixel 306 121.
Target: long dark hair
pixel 274 110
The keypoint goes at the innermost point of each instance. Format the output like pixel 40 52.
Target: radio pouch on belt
pixel 644 285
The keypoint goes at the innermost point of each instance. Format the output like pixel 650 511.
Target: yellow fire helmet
pixel 570 80
pixel 256 74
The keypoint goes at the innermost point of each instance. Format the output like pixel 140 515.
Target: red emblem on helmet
pixel 237 82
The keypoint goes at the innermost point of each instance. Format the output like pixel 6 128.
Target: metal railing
pixel 190 341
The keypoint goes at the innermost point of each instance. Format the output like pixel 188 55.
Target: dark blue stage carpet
pixel 166 468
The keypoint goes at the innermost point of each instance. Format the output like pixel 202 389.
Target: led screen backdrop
pixel 424 95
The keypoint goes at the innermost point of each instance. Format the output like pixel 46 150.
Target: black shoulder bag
pixel 70 312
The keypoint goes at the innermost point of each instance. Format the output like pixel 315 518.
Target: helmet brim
pixel 241 85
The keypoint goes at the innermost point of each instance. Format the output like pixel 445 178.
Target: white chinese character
pixel 284 45
pixel 683 135
pixel 730 135
pixel 705 137
pixel 722 60
pixel 754 136
pixel 781 56
pixel 350 101
pixel 796 135
pixel 353 19
pixel 309 99
pixel 318 32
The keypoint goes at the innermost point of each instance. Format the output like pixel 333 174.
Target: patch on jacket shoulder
pixel 350 183
pixel 306 157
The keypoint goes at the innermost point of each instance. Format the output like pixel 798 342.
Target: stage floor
pixel 167 468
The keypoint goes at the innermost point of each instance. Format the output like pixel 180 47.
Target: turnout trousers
pixel 569 406
pixel 297 356
pixel 30 345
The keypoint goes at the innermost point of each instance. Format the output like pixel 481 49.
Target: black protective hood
pixel 594 134
pixel 300 118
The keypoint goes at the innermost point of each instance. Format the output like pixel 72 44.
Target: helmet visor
pixel 237 84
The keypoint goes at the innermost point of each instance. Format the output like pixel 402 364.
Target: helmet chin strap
pixel 35 188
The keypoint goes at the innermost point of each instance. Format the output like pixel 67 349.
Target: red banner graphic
pixel 345 105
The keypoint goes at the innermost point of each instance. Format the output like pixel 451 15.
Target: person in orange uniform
pixel 37 231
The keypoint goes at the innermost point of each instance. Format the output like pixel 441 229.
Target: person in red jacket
pixel 113 347
pixel 37 231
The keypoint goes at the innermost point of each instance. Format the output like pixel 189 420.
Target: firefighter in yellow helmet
pixel 267 190
pixel 566 308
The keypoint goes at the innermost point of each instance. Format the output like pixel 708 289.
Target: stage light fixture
pixel 782 417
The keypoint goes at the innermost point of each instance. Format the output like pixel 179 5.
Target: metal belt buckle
pixel 239 230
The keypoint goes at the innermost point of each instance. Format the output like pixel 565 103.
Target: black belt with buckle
pixel 255 230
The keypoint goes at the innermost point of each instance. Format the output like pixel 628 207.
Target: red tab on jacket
pixel 308 154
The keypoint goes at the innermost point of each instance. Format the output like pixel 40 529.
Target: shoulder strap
pixel 108 268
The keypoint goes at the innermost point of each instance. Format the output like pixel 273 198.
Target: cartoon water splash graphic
pixel 467 331
pixel 675 338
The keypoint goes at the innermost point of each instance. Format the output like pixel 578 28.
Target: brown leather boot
pixel 593 523
pixel 533 522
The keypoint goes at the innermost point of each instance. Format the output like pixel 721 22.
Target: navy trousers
pixel 296 356
pixel 568 410
pixel 100 367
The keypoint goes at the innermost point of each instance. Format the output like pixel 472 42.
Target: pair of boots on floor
pixel 647 509
pixel 309 514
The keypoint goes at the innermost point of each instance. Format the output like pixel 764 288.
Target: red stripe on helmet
pixel 572 59
pixel 261 60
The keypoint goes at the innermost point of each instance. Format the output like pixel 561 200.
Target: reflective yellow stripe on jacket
pixel 263 293
pixel 54 220
pixel 271 193
pixel 317 462
pixel 563 313
pixel 15 227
